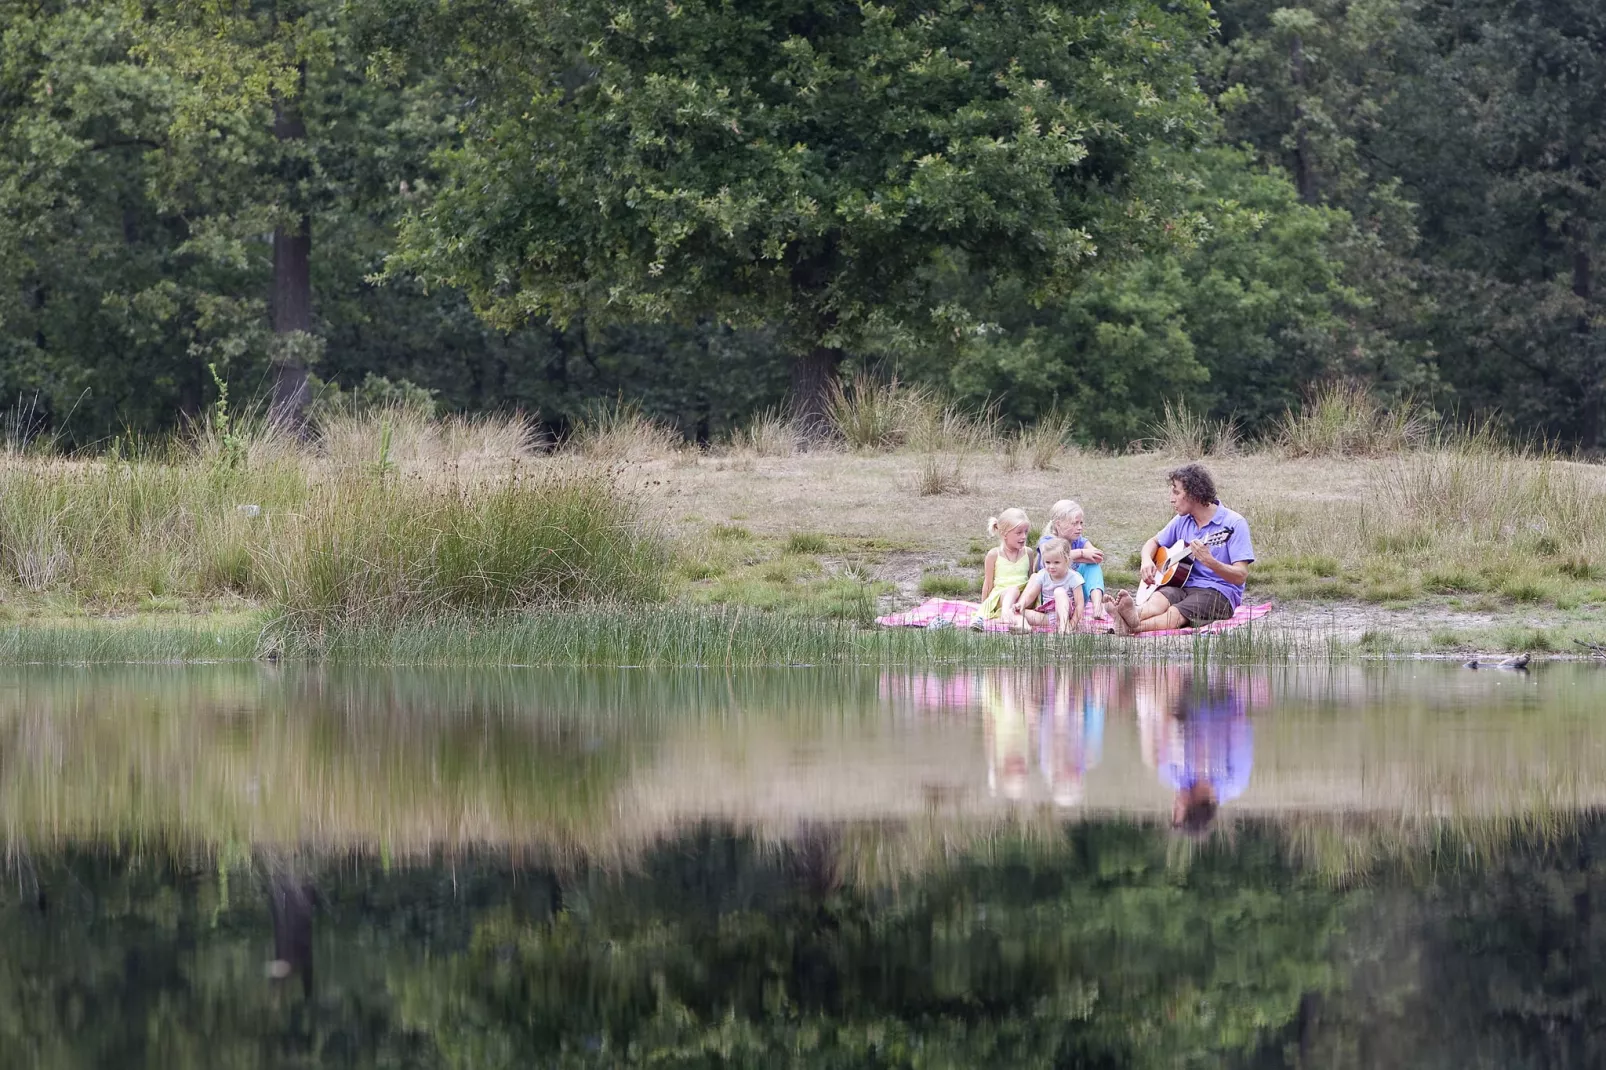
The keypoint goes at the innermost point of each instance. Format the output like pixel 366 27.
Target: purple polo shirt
pixel 1218 748
pixel 1238 549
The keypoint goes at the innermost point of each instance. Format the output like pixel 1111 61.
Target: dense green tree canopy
pixel 538 206
pixel 806 163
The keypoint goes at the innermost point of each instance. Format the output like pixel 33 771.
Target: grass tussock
pixel 404 440
pixel 621 431
pixel 369 551
pixel 1040 445
pixel 1183 433
pixel 772 432
pixel 1346 420
pixel 871 413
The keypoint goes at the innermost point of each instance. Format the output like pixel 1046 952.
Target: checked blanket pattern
pixel 953 613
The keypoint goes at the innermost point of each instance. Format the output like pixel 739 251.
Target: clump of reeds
pixel 772 432
pixel 947 436
pixel 621 431
pixel 378 551
pixel 1347 420
pixel 1181 432
pixel 1040 445
pixel 872 413
pixel 406 440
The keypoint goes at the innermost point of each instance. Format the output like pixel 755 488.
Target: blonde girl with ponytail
pixel 1006 570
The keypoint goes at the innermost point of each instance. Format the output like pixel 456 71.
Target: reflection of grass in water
pixel 1353 848
pixel 676 636
pixel 604 762
pixel 401 762
pixel 244 755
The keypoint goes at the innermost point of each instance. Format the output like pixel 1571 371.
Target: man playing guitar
pixel 1215 586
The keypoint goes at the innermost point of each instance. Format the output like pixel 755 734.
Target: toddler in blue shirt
pixel 1065 521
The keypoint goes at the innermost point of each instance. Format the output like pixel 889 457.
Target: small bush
pixel 731 533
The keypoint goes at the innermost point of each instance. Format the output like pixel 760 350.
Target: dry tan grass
pixel 411 443
pixel 1364 512
pixel 877 495
pixel 621 432
pixel 771 433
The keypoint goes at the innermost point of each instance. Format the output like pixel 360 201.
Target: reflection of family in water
pixel 1064 712
pixel 1193 727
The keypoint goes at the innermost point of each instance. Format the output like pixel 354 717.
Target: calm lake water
pixel 245 866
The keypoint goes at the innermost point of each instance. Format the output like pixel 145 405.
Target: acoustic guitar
pixel 1173 564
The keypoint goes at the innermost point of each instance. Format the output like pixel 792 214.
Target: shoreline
pixel 680 635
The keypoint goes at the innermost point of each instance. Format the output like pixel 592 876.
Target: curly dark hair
pixel 1198 816
pixel 1196 483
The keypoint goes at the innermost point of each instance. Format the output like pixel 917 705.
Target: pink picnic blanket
pixel 952 613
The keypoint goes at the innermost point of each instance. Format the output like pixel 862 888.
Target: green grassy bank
pixel 666 636
pixel 392 539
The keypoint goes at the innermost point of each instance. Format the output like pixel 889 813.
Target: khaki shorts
pixel 1198 605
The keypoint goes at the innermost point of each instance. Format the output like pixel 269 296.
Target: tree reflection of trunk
pixel 290 901
pixel 1309 1016
pixel 816 862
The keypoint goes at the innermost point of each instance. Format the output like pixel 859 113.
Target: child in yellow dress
pixel 1007 568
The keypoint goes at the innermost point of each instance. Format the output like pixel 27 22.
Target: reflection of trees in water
pixel 1494 965
pixel 1093 950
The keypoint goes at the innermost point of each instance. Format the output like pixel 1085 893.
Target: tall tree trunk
pixel 812 375
pixel 1304 166
pixel 1589 431
pixel 814 371
pixel 292 288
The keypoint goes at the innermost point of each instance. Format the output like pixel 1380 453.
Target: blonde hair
pixel 1054 545
pixel 1008 520
pixel 1062 509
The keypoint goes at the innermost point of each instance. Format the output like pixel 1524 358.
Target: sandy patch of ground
pixel 875 495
